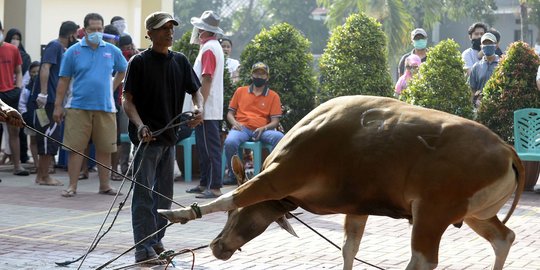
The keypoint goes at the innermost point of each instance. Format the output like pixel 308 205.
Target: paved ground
pixel 38 227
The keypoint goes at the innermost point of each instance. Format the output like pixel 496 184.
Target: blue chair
pixel 187 144
pixel 256 147
pixel 124 138
pixel 527 134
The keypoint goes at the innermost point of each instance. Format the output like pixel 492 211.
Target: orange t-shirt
pixel 255 111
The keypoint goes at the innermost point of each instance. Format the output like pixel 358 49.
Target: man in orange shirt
pixel 254 113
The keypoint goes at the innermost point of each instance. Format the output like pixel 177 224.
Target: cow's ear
pixel 238 170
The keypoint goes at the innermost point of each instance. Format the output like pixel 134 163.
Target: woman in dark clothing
pixel 14 37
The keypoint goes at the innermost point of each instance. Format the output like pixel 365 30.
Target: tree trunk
pixel 524 17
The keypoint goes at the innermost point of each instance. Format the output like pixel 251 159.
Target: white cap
pixel 488 36
pixel 418 31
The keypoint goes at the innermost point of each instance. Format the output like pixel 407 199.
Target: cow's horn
pixel 284 224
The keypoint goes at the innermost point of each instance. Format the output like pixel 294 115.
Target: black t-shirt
pixel 158 84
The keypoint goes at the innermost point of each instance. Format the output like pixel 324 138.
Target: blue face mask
pixel 420 44
pixel 489 50
pixel 95 37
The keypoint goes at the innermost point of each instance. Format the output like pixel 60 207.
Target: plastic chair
pixel 124 138
pixel 187 144
pixel 527 134
pixel 256 147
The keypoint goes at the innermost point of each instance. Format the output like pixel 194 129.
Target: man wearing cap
pixel 89 110
pixel 419 41
pixel 209 67
pixel 156 83
pixel 254 113
pixel 482 70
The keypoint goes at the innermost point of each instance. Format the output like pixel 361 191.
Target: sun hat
pixel 209 21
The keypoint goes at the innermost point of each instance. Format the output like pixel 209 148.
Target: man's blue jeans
pixel 237 137
pixel 155 172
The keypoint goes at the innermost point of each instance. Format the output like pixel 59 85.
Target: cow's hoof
pixel 173 216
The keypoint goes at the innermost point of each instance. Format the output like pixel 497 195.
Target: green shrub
pixel 511 87
pixel 287 54
pixel 354 61
pixel 440 83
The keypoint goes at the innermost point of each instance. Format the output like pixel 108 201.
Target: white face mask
pixel 194 36
pixel 120 25
pixel 16 42
pixel 1 37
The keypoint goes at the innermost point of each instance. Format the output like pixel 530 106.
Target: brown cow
pixel 362 155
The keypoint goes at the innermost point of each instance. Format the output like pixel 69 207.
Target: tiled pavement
pixel 38 227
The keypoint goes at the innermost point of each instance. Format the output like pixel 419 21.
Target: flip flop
pixel 69 193
pixel 197 189
pixel 111 191
pixel 116 177
pixel 54 183
pixel 207 194
pixel 21 172
pixel 83 176
pixel 154 260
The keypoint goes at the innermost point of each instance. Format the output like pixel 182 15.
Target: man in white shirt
pixel 209 67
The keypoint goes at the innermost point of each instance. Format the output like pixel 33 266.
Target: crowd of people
pixel 91 85
pixel 480 60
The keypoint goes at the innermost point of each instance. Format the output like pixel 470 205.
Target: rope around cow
pixel 169 254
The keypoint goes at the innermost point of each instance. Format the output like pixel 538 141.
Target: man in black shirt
pixel 156 82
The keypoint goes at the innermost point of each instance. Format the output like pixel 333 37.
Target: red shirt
pixel 208 60
pixel 10 58
pixel 255 111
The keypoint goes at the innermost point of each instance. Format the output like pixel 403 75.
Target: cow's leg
pixel 271 184
pixel 430 220
pixel 183 215
pixel 354 229
pixel 500 237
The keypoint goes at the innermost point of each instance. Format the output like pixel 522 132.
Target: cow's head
pixel 244 224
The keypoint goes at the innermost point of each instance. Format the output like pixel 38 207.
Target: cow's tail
pixel 519 170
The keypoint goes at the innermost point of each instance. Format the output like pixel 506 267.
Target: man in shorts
pixel 90 110
pixel 43 97
pixel 10 90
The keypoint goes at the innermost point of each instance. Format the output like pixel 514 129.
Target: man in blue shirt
pixel 43 96
pixel 90 110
